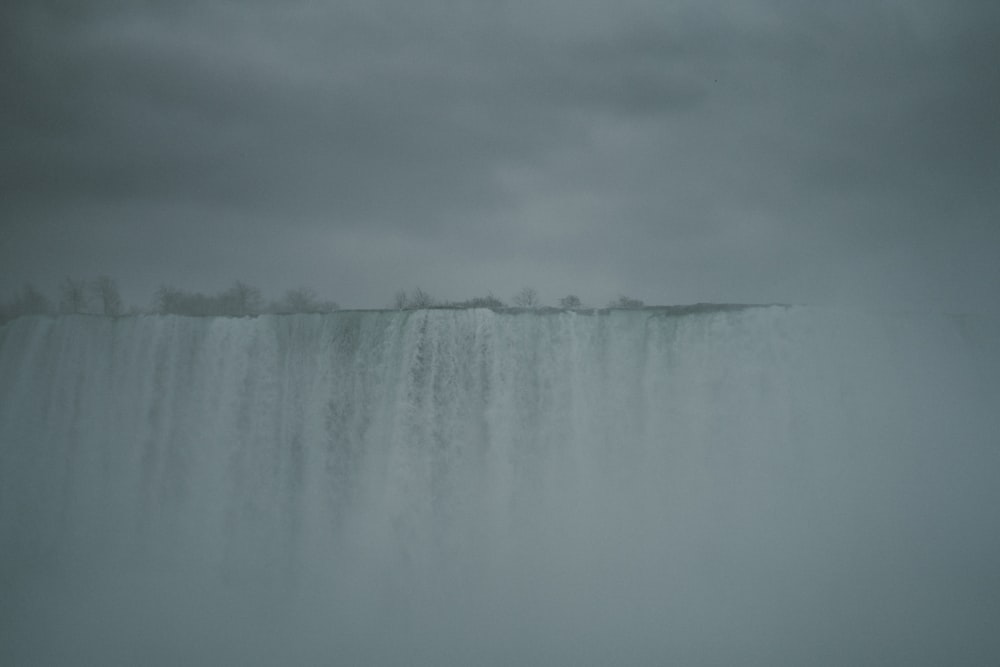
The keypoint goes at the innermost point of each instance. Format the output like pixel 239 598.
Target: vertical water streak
pixel 738 486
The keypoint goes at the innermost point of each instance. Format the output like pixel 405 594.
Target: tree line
pixel 239 300
pixel 527 298
pixel 100 296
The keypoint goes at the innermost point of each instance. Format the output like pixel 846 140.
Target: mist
pixel 211 455
pixel 705 485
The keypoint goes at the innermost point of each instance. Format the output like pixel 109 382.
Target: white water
pixel 763 486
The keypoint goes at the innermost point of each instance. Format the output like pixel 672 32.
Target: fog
pixel 225 482
pixel 700 486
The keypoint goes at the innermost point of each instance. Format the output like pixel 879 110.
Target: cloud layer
pixel 687 151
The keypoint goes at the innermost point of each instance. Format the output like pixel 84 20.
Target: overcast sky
pixel 713 150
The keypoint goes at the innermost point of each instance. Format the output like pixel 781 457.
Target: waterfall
pixel 745 486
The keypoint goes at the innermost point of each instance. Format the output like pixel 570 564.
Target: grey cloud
pixel 166 121
pixel 690 144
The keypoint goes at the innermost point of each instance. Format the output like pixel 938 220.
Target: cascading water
pixel 738 486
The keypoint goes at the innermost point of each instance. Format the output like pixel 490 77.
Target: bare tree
pixel 29 301
pixel 73 296
pixel 488 301
pixel 526 298
pixel 626 302
pixel 413 301
pixel 238 301
pixel 303 300
pixel 171 301
pixel 571 301
pixel 106 292
pixel 241 300
pixel 421 299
